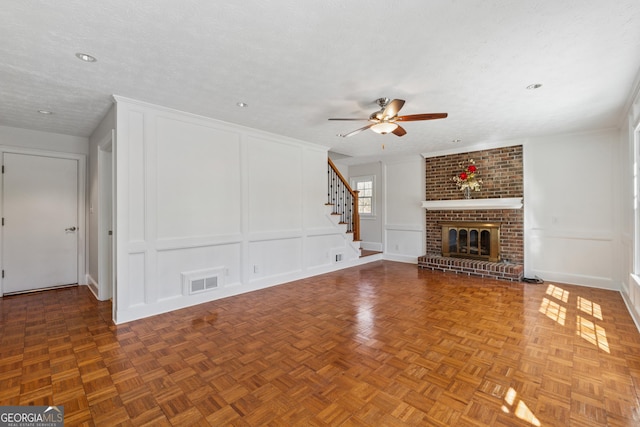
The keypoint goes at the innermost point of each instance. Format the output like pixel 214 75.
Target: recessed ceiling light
pixel 45 112
pixel 534 86
pixel 85 57
pixel 242 104
pixel 455 141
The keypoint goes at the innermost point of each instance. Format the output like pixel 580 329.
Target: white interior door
pixel 40 216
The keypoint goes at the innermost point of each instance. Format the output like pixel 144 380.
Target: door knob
pixel 70 229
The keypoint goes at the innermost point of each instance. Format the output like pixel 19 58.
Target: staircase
pixel 342 209
pixel 343 201
pixel 353 245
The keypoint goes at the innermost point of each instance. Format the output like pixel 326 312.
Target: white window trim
pixel 363 178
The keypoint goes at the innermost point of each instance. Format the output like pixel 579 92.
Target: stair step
pixel 366 252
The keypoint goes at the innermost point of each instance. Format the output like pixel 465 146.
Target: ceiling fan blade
pixel 356 131
pixel 415 117
pixel 392 109
pixel 399 131
pixel 350 119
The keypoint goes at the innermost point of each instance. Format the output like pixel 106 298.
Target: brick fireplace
pixel 498 202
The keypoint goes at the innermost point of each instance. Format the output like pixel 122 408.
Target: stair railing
pixel 344 200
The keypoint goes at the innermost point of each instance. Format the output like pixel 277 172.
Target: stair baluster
pixel 344 200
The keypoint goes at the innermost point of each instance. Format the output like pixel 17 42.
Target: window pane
pixel 364 206
pixel 364 185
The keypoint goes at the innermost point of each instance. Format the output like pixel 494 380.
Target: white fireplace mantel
pixel 473 204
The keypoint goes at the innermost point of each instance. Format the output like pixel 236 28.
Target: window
pixel 365 186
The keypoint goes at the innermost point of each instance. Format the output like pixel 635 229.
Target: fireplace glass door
pixel 471 240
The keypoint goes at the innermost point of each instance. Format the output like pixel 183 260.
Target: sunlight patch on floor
pixel 553 311
pixel 521 411
pixel 593 333
pixel 558 293
pixel 590 308
pixel 585 328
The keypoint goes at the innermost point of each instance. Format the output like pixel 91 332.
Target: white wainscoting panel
pixel 275 185
pixel 582 260
pixel 314 188
pixel 137 280
pixel 404 242
pixel 173 263
pixel 198 180
pixel 136 178
pixel 272 258
pixel 318 249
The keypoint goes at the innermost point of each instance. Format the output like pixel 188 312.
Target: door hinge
pixel 3 222
pixel 3 274
pixel 2 168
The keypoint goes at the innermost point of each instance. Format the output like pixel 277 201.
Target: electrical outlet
pixel 255 269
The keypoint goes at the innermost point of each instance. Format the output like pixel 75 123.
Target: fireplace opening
pixel 471 240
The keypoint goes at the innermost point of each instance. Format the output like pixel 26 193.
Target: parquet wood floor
pixel 383 344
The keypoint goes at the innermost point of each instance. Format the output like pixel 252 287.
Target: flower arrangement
pixel 467 178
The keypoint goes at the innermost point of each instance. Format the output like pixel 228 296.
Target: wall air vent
pixel 195 282
pixel 337 255
pixel 204 284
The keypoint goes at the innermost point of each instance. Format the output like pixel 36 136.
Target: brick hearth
pixel 470 267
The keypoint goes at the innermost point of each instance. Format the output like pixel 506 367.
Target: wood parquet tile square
pixel 383 344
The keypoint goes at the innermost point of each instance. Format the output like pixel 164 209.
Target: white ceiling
pixel 297 63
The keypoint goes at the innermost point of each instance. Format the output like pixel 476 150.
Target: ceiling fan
pixel 385 120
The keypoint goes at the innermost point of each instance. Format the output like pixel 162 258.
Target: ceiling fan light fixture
pixel 384 127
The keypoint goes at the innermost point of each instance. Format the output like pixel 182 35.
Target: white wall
pixel 197 194
pixel 33 139
pixel 570 201
pixel 404 226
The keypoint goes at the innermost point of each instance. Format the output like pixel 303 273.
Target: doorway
pixel 43 221
pixel 105 220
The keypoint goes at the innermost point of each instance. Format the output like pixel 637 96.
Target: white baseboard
pixel 409 259
pixel 92 285
pixel 634 314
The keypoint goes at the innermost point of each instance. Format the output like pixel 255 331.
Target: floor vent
pixel 195 282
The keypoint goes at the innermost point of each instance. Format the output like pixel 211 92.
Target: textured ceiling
pixel 297 63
